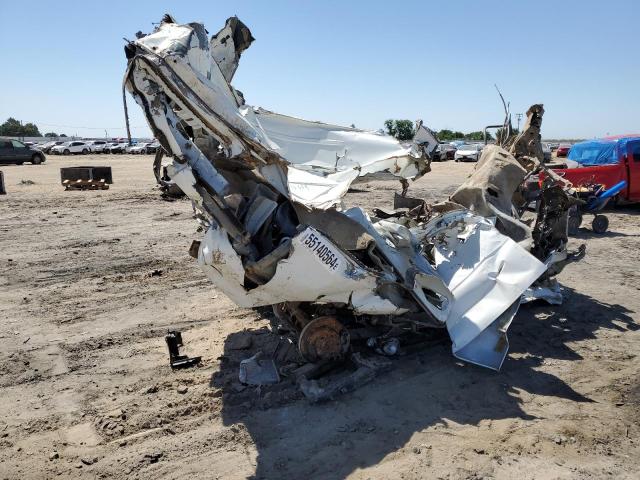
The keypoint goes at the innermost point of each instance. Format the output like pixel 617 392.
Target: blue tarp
pixel 596 152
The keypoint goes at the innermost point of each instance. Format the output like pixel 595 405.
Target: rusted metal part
pixel 529 142
pixel 323 339
pixel 366 369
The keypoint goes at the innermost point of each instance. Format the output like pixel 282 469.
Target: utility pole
pixel 518 116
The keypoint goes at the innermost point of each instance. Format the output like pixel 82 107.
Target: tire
pixel 85 151
pixel 37 159
pixel 600 223
pixel 574 221
pixel 66 152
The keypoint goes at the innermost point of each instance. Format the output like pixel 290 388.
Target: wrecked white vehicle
pixel 268 189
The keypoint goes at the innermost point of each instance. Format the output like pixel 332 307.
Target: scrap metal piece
pixel 168 186
pixel 489 191
pixel 528 144
pixel 367 370
pixel 227 45
pixel 258 371
pixel 401 201
pixel 174 342
pixel 549 292
pixel 323 338
pixel 486 273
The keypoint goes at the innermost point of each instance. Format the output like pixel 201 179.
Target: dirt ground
pixel 90 282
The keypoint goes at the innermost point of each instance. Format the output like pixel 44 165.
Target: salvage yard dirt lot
pixel 91 281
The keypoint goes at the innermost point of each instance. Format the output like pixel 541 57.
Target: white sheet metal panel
pixel 315 271
pixel 485 271
pixel 335 154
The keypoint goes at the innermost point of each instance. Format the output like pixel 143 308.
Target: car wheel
pixel 66 151
pixel 574 221
pixel 37 159
pixel 85 151
pixel 600 223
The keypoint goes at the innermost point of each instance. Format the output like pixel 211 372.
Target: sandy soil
pixel 91 281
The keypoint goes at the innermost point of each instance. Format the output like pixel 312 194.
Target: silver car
pixel 468 153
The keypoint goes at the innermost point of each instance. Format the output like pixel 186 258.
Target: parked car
pixel 130 146
pixel 68 148
pixel 468 152
pixel 96 146
pixel 444 151
pixel 47 146
pixel 118 147
pixel 14 151
pixel 152 147
pixel 603 170
pixel 546 152
pixel 606 161
pixel 563 150
pixel 108 145
pixel 139 148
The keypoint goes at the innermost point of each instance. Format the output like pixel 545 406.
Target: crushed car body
pixel 268 190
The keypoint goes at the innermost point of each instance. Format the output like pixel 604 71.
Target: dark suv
pixel 13 151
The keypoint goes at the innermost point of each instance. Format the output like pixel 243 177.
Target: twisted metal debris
pixel 268 190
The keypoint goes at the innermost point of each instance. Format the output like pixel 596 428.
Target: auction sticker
pixel 322 249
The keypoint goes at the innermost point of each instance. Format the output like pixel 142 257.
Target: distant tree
pixel 477 136
pixel 401 129
pixel 62 135
pixel 13 128
pixel 51 134
pixel 389 126
pixel 445 135
pixel 31 130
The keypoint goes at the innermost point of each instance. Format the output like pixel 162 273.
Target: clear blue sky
pixel 344 62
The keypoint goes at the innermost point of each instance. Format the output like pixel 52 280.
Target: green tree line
pixel 15 128
pixel 404 130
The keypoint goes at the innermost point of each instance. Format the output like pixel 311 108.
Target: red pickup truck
pixel 607 162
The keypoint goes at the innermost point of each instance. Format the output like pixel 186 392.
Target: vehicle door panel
pixel 21 152
pixel 5 150
pixel 633 163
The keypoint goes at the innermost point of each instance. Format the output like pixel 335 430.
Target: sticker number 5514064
pixel 322 250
